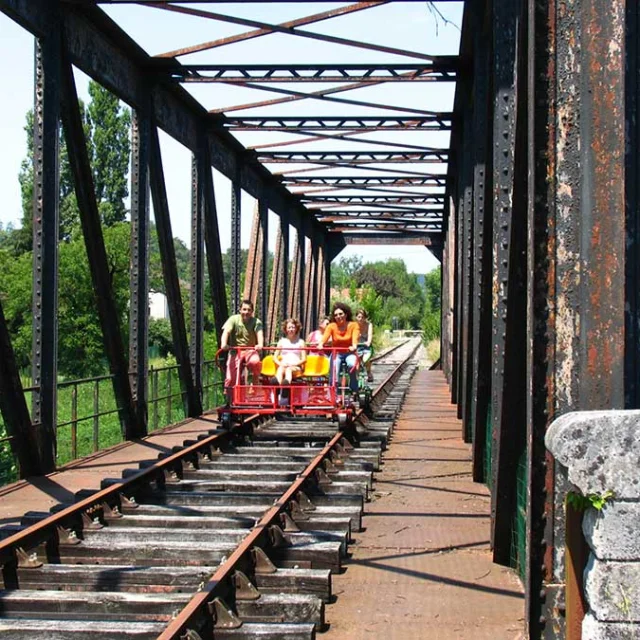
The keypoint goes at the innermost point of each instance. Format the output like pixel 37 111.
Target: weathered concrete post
pixel 601 453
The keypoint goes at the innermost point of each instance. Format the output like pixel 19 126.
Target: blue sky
pixel 407 25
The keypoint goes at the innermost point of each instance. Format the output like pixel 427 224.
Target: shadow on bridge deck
pixel 422 568
pixel 42 493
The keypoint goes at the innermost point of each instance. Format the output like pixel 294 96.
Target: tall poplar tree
pixel 106 128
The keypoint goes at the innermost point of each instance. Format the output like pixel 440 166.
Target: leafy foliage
pixel 110 148
pixel 106 128
pixel 432 313
pixel 595 500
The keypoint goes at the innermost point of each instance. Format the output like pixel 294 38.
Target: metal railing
pixel 88 419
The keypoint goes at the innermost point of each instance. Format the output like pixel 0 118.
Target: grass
pixel 433 351
pixel 88 419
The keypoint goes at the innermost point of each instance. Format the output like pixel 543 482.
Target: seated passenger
pixel 290 354
pixel 242 330
pixel 343 333
pixel 364 341
pixel 313 339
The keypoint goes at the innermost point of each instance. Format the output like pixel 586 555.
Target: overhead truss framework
pixel 356 193
pixel 286 83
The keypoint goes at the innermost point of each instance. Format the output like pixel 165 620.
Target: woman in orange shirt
pixel 344 334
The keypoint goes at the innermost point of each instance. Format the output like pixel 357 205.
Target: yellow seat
pixel 316 366
pixel 268 366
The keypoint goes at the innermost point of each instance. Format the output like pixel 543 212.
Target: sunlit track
pixel 236 536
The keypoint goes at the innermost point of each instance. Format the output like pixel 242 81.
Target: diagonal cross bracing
pixel 436 122
pixel 441 70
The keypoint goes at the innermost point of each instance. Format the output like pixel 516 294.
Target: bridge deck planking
pixel 422 567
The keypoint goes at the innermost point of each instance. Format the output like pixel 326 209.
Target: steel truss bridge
pixel 531 207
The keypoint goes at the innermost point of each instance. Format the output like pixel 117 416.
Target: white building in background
pixel 158 307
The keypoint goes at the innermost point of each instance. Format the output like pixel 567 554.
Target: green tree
pixel 401 294
pixel 106 127
pixel 110 148
pixel 342 272
pixel 81 348
pixel 432 313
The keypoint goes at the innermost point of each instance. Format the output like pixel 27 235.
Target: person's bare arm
pixel 224 339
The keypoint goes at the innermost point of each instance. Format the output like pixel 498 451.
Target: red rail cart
pixel 309 394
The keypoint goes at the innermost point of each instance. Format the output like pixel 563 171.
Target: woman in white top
pixel 290 354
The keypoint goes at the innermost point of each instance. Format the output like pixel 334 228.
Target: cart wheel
pixel 225 421
pixel 343 421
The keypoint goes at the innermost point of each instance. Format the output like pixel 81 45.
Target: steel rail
pixel 42 531
pixel 199 604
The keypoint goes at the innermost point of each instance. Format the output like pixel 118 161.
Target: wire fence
pixel 88 418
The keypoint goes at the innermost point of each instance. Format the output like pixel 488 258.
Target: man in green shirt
pixel 244 331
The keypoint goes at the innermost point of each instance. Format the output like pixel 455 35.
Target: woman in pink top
pixel 313 339
pixel 290 354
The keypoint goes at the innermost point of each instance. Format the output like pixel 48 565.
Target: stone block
pixel 592 629
pixel 613 532
pixel 613 590
pixel 601 450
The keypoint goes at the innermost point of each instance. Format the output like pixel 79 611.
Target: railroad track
pixel 234 536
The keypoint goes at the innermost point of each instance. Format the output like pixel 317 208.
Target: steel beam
pixel 293 302
pixel 580 248
pixel 541 124
pixel 418 199
pixel 324 268
pixel 435 122
pixel 311 288
pixel 254 260
pixel 356 157
pixel 15 413
pixel 263 213
pixel 508 399
pixel 275 295
pixel 286 281
pixel 105 52
pixel 196 344
pixel 356 181
pixel 373 238
pixel 214 250
pixel 97 255
pixel 45 246
pixel 236 256
pixel 139 277
pixel 482 230
pixel 468 310
pixel 632 185
pixel 444 69
pixel 170 276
